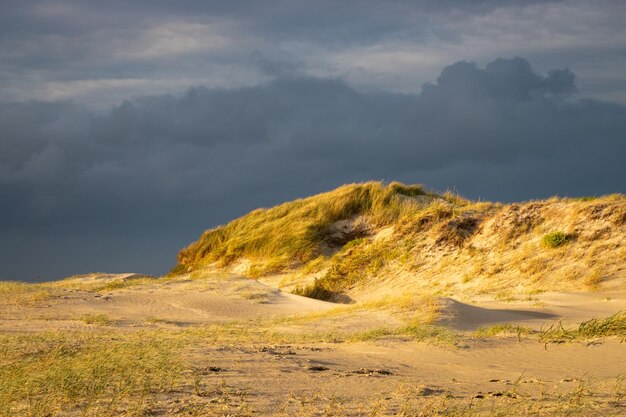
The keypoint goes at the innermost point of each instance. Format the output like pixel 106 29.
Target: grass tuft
pixel 97 319
pixel 504 330
pixel 614 325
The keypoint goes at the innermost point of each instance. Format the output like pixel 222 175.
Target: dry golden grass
pixel 53 373
pixel 332 244
pixel 296 231
pixel 20 293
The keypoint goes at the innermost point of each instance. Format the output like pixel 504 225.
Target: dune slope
pixel 362 240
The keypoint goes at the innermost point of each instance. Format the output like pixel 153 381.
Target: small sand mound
pixel 468 317
pixel 136 300
pixel 105 278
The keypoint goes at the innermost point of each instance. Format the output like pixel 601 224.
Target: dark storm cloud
pixel 501 79
pixel 163 168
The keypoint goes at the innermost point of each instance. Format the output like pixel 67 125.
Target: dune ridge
pixel 368 238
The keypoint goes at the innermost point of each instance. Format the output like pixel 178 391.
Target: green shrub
pixel 555 239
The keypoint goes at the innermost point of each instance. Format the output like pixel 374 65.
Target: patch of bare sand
pixel 183 302
pixel 357 378
pixel 536 311
pixel 469 317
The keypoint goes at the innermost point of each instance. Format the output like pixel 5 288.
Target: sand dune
pixel 295 353
pixel 217 298
pixel 228 297
pixel 545 308
pixel 468 317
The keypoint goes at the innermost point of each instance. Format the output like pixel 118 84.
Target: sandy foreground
pixel 243 348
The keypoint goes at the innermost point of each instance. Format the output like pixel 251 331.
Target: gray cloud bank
pixel 125 189
pixel 102 52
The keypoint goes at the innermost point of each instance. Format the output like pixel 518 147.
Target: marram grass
pixel 296 231
pixel 614 325
pixel 331 243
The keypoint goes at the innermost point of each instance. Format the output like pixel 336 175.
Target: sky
pixel 128 128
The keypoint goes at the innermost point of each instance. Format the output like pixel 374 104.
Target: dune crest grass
pixel 329 245
pixel 297 231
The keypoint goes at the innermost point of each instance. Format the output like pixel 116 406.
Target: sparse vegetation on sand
pixel 503 329
pixel 614 325
pixel 366 358
pixel 105 374
pixel 107 283
pixel 200 371
pixel 97 319
pixel 21 293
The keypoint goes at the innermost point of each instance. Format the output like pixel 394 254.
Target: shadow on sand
pixel 468 317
